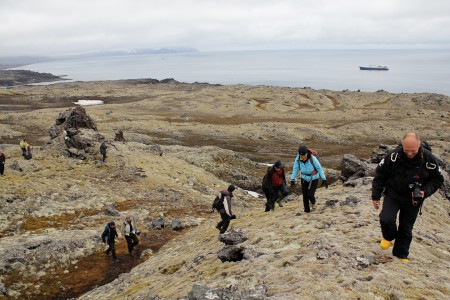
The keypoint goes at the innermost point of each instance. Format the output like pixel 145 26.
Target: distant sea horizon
pixel 410 71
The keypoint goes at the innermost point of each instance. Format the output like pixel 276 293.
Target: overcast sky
pixel 49 27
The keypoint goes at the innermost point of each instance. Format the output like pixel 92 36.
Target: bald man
pixel 408 167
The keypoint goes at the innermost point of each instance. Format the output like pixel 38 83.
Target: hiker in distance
pixel 407 176
pixel 103 148
pixel 130 233
pixel 274 183
pixel 225 209
pixel 109 237
pixel 2 162
pixel 24 146
pixel 311 169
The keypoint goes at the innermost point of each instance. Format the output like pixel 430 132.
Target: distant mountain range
pixel 14 61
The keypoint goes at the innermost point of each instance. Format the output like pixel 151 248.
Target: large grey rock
pixel 353 167
pixel 231 253
pixel 233 237
pixel 158 223
pixel 176 224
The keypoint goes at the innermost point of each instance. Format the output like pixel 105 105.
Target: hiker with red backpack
pixel 310 168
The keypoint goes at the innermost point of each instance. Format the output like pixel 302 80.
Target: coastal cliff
pixel 185 142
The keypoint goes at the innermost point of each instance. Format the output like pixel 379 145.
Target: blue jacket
pixel 306 168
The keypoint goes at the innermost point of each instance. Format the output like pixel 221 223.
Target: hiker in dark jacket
pixel 408 170
pixel 310 169
pixel 225 212
pixel 274 184
pixel 103 150
pixel 2 162
pixel 109 236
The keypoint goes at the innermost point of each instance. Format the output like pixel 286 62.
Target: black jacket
pixel 396 174
pixel 109 234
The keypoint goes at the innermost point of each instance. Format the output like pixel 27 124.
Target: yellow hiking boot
pixel 384 244
pixel 404 260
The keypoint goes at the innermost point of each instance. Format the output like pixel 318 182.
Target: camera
pixel 416 193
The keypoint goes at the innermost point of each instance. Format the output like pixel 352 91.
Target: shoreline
pixel 13 78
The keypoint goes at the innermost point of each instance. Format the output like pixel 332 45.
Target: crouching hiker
pixel 225 209
pixel 109 236
pixel 130 233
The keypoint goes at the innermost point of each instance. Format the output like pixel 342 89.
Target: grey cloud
pixel 59 27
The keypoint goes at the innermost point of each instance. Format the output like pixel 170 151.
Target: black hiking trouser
pixel 274 195
pixel 2 168
pixel 224 223
pixel 407 217
pixel 112 249
pixel 308 191
pixel 132 241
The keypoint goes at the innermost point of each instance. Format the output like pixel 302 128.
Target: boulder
pixel 72 119
pixel 176 224
pixel 233 237
pixel 352 167
pixel 158 223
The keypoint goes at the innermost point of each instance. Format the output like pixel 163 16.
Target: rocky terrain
pixel 183 143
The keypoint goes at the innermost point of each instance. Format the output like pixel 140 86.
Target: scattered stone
pixel 364 262
pixel 15 166
pixel 351 201
pixel 233 237
pixel 331 203
pixel 259 292
pixel 158 223
pixel 111 210
pixel 176 224
pixel 231 253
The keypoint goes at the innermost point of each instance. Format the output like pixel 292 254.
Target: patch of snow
pixel 254 194
pixel 88 102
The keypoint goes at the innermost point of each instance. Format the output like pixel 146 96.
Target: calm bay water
pixel 410 71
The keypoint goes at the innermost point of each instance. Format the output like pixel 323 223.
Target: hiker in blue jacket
pixel 311 170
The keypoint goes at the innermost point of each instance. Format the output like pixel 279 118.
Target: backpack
pixel 105 234
pixel 265 184
pixel 218 202
pixel 313 152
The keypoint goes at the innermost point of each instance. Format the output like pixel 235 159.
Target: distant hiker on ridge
pixel 274 183
pixel 311 169
pixel 225 210
pixel 407 176
pixel 24 146
pixel 103 148
pixel 2 162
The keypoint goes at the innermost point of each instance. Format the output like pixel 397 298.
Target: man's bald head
pixel 411 144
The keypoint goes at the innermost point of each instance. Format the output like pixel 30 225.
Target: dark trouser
pixel 223 224
pixel 24 151
pixel 112 249
pixel 308 191
pixel 104 157
pixel 274 195
pixel 132 241
pixel 2 168
pixel 407 217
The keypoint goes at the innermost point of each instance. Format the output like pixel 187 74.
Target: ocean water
pixel 410 71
